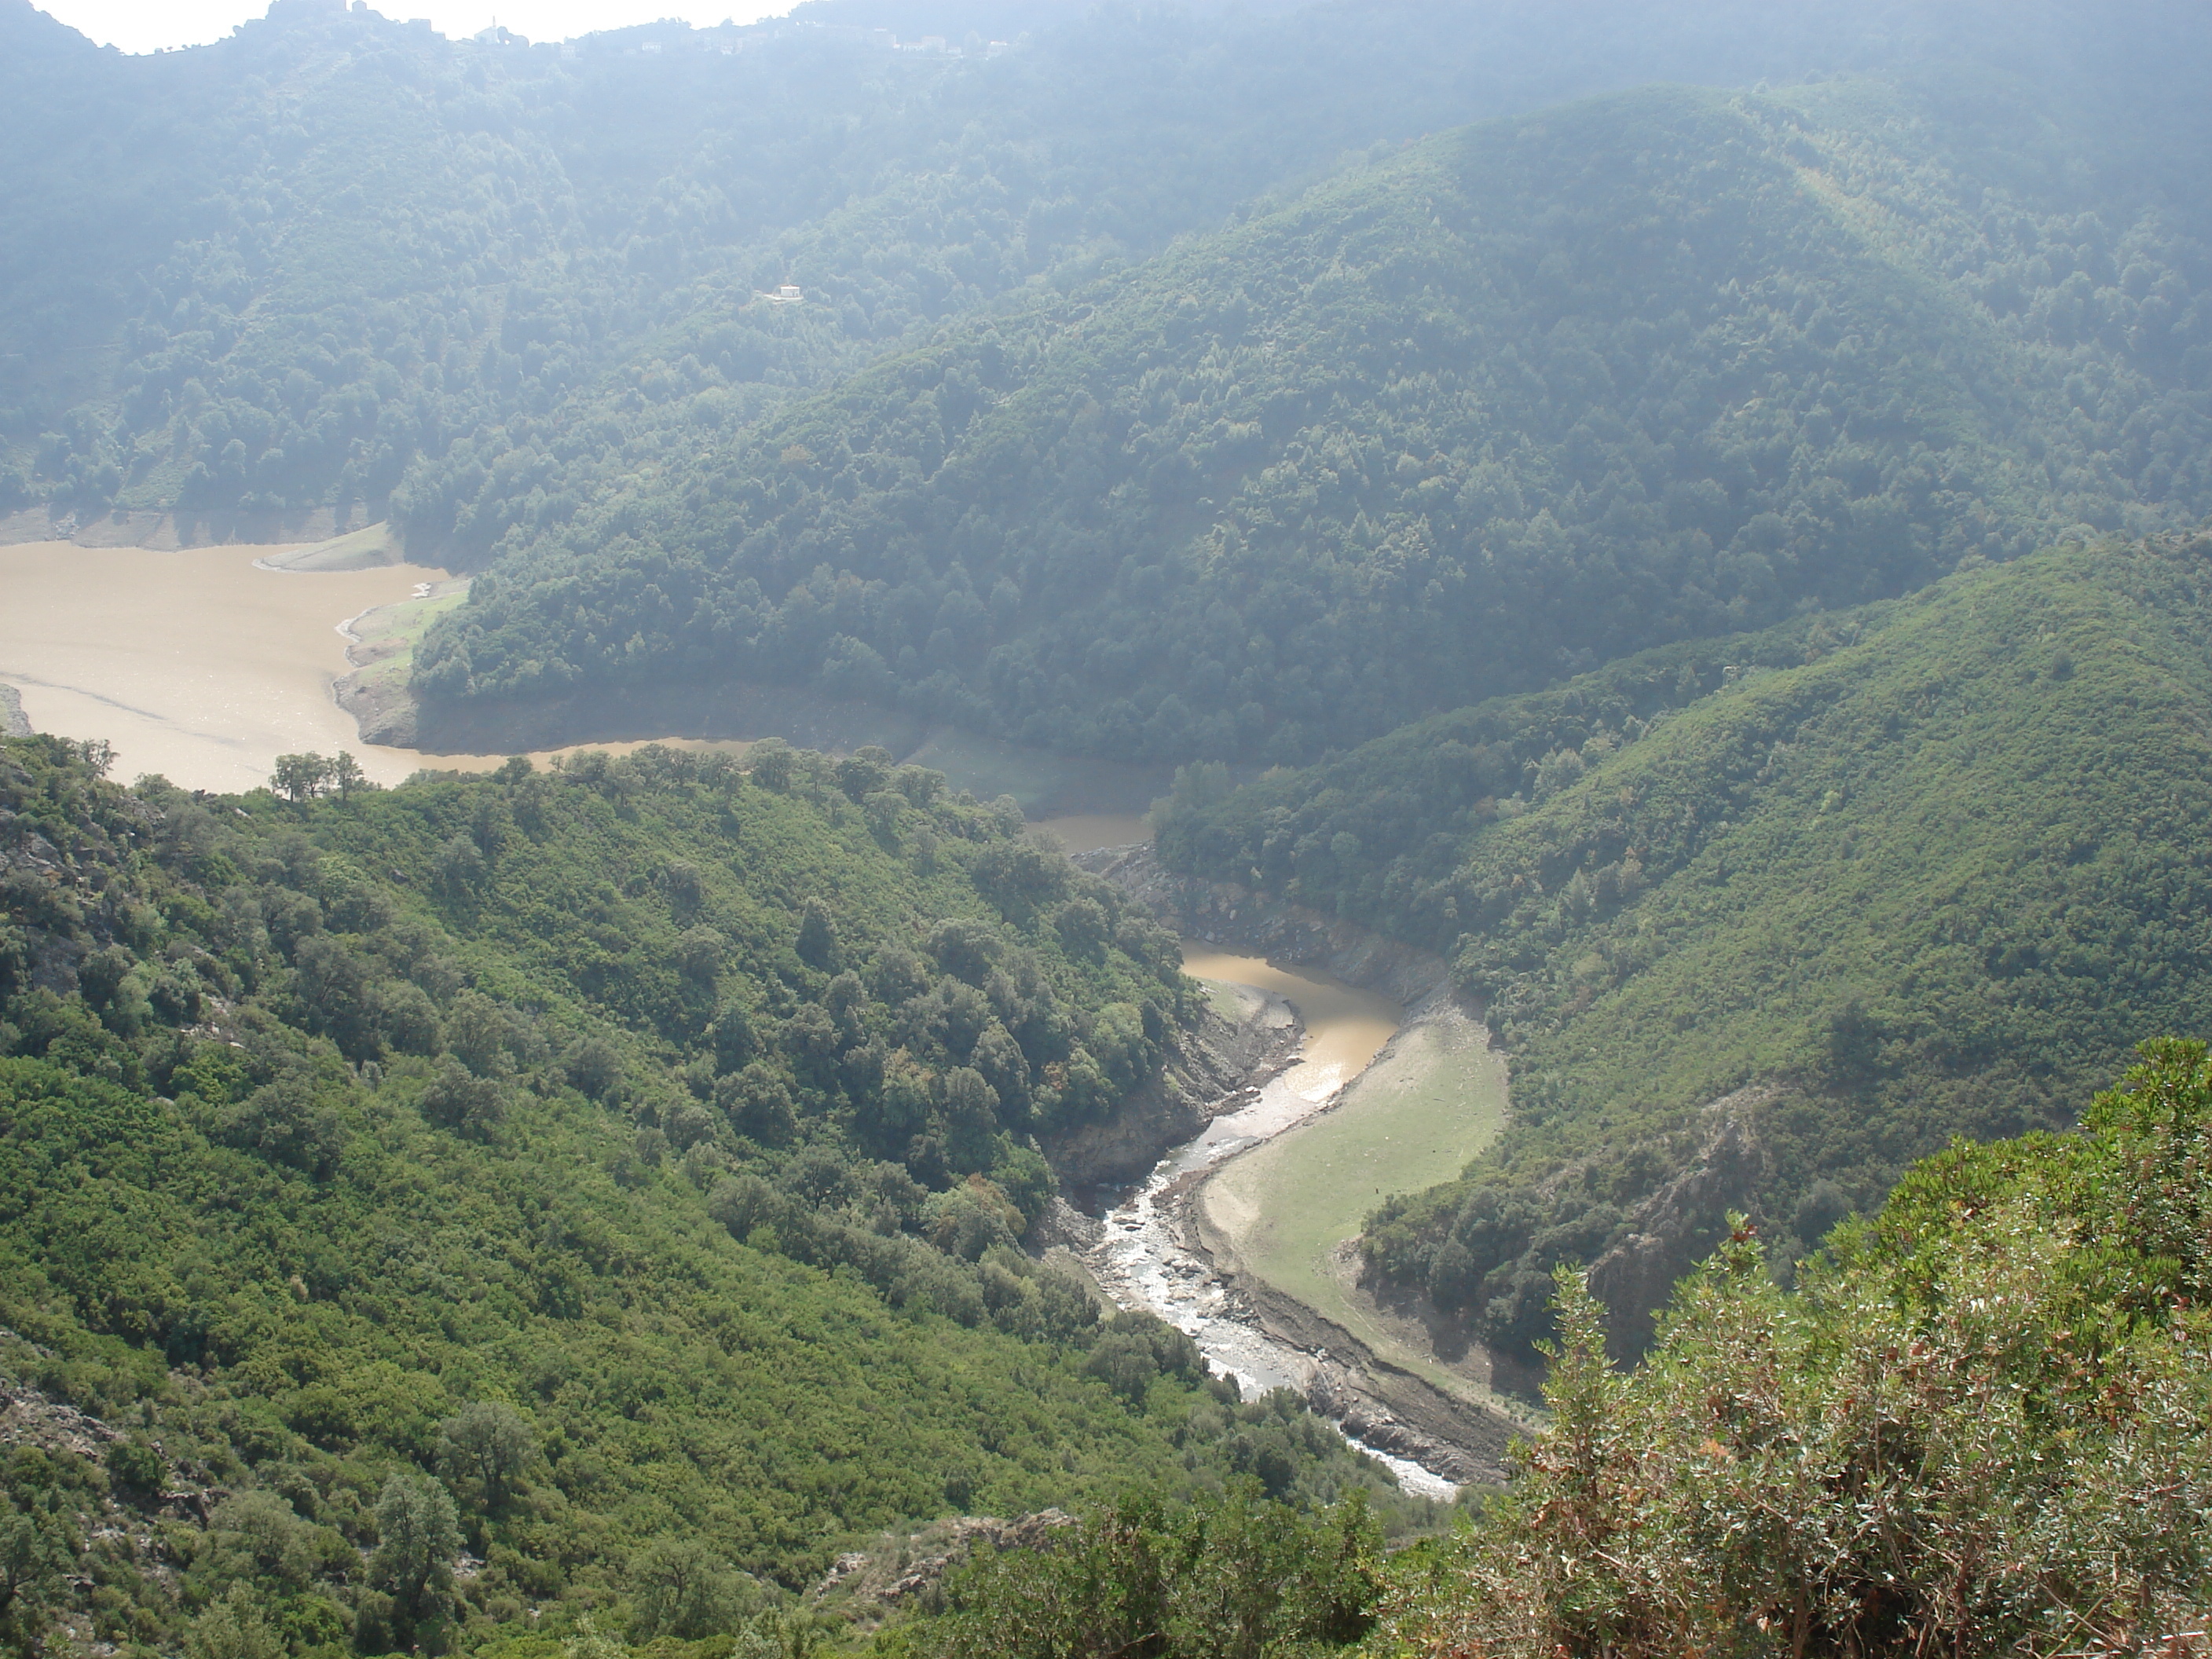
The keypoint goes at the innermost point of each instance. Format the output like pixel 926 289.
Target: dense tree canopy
pixel 553 1212
pixel 1523 399
pixel 556 1167
pixel 339 261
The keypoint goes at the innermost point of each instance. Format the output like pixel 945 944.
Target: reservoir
pixel 196 664
pixel 203 665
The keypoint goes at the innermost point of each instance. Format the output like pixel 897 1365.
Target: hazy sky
pixel 147 25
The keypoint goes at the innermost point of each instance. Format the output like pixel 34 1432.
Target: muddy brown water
pixel 1345 1027
pixel 1088 832
pixel 195 665
pixel 202 665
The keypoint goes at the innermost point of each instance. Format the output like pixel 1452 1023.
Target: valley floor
pixel 1289 1211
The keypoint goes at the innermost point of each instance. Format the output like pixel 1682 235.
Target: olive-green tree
pixel 417 1536
pixel 491 1442
pixel 35 1554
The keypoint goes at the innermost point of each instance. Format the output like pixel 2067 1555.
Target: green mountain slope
pixel 1531 396
pixel 512 276
pixel 1923 869
pixel 622 1147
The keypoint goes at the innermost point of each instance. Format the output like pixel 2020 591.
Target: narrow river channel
pixel 1142 1261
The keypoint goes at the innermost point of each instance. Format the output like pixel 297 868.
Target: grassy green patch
pixel 1231 1002
pixel 1429 1106
pixel 357 549
pixel 393 631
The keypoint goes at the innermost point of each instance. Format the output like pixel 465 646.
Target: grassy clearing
pixel 1232 1002
pixel 1416 1116
pixel 387 636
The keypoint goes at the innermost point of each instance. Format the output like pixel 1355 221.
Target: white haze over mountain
pixel 141 26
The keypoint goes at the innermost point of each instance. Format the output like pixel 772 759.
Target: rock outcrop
pixel 904 1571
pixel 1677 1226
pixel 1208 1071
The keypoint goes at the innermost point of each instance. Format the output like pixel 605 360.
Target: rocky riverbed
pixel 1151 1241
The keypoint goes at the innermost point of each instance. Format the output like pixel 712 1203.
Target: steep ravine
pixel 1153 1243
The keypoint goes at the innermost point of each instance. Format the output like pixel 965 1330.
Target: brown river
pixel 1142 1261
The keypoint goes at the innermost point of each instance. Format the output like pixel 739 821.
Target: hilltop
pixel 336 269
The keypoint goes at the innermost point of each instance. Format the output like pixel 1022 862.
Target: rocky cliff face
pixel 1207 1071
pixel 1679 1226
pixel 115 1532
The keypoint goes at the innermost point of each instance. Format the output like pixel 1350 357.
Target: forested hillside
pixel 337 261
pixel 1926 869
pixel 1523 399
pixel 534 1194
pixel 1693 512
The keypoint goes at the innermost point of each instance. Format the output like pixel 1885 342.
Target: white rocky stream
pixel 1141 1260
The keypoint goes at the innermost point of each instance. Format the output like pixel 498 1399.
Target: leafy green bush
pixel 1981 1427
pixel 1240 1575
